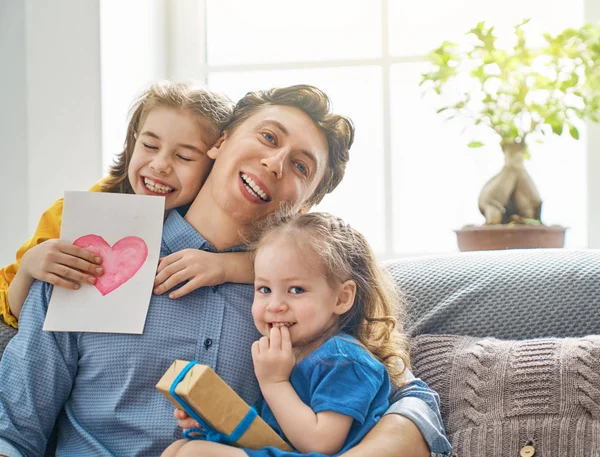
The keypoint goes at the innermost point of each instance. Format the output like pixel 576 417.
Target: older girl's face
pixel 170 156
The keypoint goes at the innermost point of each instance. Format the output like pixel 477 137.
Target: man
pixel 281 147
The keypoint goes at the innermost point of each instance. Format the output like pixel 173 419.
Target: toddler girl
pixel 331 342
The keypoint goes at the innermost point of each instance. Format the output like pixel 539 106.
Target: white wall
pixel 133 49
pixel 73 68
pixel 50 112
pixel 14 183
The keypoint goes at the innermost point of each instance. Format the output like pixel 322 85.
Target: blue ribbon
pixel 207 432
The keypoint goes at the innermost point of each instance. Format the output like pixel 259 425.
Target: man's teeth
pixel 282 324
pixel 253 188
pixel 156 187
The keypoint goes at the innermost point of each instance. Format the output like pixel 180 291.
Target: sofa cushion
pixel 499 396
pixel 516 294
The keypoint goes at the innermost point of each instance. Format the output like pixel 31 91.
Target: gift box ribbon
pixel 207 432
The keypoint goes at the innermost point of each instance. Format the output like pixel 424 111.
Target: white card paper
pixel 126 230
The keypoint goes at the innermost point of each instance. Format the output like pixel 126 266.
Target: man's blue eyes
pixel 302 168
pixel 269 137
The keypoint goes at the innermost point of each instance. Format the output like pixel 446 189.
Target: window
pixel 411 180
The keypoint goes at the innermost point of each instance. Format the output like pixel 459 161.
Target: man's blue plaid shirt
pixel 100 387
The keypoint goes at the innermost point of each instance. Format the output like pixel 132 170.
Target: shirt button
pixel 527 451
pixel 208 343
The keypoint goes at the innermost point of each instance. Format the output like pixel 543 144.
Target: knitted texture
pixel 498 396
pixel 6 333
pixel 514 294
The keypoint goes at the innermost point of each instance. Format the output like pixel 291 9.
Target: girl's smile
pixel 156 187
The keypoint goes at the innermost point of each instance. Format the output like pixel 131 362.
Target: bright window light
pixel 412 180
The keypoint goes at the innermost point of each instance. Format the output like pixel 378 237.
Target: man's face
pixel 278 155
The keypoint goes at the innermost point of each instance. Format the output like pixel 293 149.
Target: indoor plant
pixel 521 93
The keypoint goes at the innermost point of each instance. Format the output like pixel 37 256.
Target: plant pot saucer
pixel 507 236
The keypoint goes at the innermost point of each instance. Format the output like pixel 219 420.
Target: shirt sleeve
pixel 48 228
pixel 345 386
pixel 37 371
pixel 417 402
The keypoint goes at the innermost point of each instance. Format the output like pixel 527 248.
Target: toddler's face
pixel 169 158
pixel 291 289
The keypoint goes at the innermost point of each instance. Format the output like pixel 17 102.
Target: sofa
pixel 509 340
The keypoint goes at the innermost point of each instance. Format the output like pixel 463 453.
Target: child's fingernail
pixel 92 280
pixel 99 270
pixel 171 296
pixel 97 259
pixel 75 286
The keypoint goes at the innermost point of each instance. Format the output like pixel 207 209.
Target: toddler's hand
pixel 185 421
pixel 197 267
pixel 62 264
pixel 273 357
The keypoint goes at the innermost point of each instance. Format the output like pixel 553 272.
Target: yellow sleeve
pixel 48 228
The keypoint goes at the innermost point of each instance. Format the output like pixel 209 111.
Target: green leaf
pixel 557 128
pixel 475 144
pixel 574 132
pixel 441 110
pixel 530 221
pixel 570 62
pixel 524 22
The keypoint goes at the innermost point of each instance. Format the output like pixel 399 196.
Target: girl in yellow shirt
pixel 172 127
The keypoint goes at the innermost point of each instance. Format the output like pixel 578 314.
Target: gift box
pixel 217 404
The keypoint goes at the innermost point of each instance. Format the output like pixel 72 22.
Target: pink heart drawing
pixel 120 262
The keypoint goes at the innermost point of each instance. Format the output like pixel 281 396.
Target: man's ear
pixel 213 152
pixel 346 297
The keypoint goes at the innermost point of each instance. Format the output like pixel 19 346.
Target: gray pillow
pixel 499 396
pixel 514 294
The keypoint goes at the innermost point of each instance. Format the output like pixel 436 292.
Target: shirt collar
pixel 178 234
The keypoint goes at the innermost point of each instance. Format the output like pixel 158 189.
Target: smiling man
pixel 282 146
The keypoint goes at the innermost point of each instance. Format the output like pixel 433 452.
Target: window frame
pixel 187 26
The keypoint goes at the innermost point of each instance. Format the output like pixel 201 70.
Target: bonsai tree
pixel 522 94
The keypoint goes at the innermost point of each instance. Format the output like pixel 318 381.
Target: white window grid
pixel 193 13
pixel 187 36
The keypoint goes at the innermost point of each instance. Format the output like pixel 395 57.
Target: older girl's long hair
pixel 213 110
pixel 378 313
